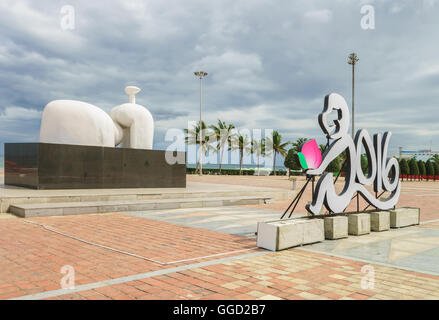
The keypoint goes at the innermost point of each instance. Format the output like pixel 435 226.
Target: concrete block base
pixel 380 221
pixel 283 234
pixel 404 217
pixel 358 224
pixel 336 227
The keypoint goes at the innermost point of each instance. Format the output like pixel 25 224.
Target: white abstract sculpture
pixel 74 122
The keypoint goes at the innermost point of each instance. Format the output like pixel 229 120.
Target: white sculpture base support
pixel 379 221
pixel 283 234
pixel 336 227
pixel 358 224
pixel 404 217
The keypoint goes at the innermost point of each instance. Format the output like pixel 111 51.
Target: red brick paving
pixel 291 274
pixel 31 257
pixel 162 241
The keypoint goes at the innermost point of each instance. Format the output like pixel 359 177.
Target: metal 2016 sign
pixel 383 173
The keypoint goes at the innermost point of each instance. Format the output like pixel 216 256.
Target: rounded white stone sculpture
pixel 81 123
pixel 76 122
pixel 136 122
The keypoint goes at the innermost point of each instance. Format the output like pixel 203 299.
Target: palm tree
pixel 193 137
pixel 296 145
pixel 258 148
pixel 278 147
pixel 243 144
pixel 435 158
pixel 223 134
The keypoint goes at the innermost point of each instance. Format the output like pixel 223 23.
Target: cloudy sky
pixel 270 63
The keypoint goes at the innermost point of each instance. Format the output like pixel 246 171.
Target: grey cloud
pixel 270 63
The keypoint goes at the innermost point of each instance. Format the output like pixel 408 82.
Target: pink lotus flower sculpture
pixel 310 156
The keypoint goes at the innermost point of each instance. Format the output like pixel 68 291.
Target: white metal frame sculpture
pixel 383 173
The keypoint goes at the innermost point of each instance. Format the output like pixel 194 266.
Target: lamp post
pixel 352 60
pixel 201 74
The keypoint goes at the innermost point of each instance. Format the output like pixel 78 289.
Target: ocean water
pixel 2 163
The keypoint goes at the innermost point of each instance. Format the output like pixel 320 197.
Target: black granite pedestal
pixel 62 166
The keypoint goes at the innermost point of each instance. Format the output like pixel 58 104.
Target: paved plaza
pixel 424 195
pixel 211 253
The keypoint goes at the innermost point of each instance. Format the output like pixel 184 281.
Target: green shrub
pixel 232 172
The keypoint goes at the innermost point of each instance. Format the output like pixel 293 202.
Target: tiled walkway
pixel 31 257
pixel 234 220
pixel 424 194
pixel 292 274
pixel 413 248
pixel 210 253
pixel 216 265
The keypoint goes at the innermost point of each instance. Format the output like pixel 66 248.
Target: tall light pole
pixel 201 74
pixel 352 60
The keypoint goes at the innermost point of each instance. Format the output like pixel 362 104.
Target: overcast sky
pixel 270 63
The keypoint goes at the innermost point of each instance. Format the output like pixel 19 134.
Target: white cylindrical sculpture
pixel 136 121
pixel 76 122
pixel 81 123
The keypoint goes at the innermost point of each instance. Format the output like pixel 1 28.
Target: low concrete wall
pixel 359 224
pixel 380 221
pixel 404 217
pixel 336 227
pixel 283 234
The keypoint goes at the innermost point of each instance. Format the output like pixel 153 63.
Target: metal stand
pixel 376 196
pixel 299 195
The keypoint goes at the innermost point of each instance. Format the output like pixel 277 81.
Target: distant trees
pixel 192 136
pixel 435 158
pixel 413 165
pixel 291 161
pixel 224 134
pixel 215 138
pixel 364 164
pixel 429 169
pixel 418 169
pixel 422 169
pixel 278 147
pixel 436 169
pixel 242 143
pixel 404 168
pixel 258 148
pixel 334 166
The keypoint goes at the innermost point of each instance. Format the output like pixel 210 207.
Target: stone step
pixel 69 208
pixel 17 196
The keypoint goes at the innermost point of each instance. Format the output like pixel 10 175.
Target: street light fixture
pixel 200 74
pixel 352 60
